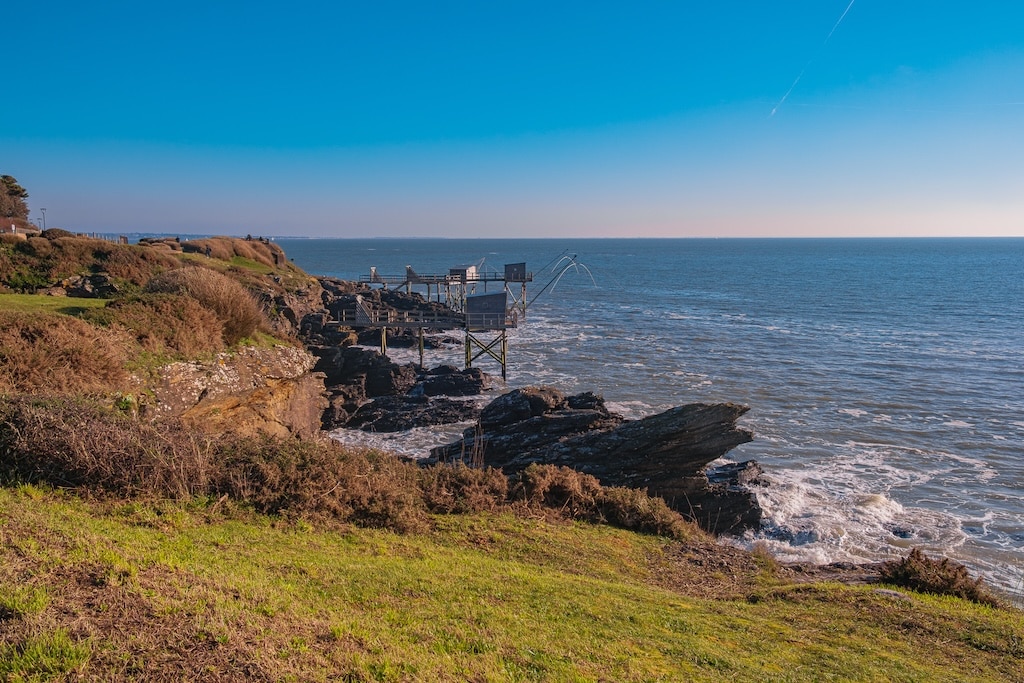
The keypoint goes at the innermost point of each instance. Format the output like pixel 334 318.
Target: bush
pixel 135 264
pixel 459 489
pixel 234 305
pixel 322 481
pixel 64 442
pixel 919 572
pixel 560 488
pixel 60 354
pixel 581 496
pixel 226 248
pixel 80 444
pixel 173 324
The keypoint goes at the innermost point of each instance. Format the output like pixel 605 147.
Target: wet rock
pixel 400 413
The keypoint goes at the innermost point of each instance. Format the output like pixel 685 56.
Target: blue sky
pixel 519 119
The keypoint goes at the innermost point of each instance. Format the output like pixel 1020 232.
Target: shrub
pixel 459 489
pixel 919 572
pixel 226 248
pixel 55 233
pixel 66 442
pixel 234 305
pixel 322 481
pixel 136 264
pixel 634 509
pixel 581 496
pixel 561 488
pixel 82 444
pixel 172 324
pixel 37 246
pixel 59 354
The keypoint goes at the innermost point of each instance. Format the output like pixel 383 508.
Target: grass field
pixel 31 303
pixel 121 590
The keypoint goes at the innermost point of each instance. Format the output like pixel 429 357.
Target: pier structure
pixel 459 283
pixel 484 318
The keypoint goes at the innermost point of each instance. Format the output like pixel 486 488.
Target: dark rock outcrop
pixel 666 454
pixel 358 378
pixel 447 380
pixel 401 413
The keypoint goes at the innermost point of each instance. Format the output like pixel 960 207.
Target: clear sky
pixel 527 119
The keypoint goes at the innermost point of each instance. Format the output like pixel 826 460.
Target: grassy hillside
pixel 174 591
pixel 132 550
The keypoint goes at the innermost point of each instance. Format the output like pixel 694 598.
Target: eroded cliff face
pixel 254 391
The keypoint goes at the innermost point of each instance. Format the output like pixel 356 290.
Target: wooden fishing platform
pixel 478 315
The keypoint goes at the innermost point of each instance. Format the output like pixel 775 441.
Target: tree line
pixel 12 198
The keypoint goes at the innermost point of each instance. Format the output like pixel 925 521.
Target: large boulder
pixel 666 454
pixel 350 365
pixel 447 380
pixel 254 391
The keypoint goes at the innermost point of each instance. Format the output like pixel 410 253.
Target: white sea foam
pixel 414 443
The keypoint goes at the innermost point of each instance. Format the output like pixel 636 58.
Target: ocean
pixel 885 377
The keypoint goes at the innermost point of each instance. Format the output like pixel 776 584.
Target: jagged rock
pixel 254 391
pixel 98 285
pixel 378 375
pixel 447 380
pixel 400 413
pixel 666 454
pixel 343 403
pixel 521 404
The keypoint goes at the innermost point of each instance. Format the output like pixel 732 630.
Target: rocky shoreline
pixel 668 454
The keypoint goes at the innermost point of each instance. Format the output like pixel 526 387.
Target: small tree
pixel 12 198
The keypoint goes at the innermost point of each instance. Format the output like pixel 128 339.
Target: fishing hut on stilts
pixel 485 317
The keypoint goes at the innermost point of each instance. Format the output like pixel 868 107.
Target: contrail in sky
pixel 823 44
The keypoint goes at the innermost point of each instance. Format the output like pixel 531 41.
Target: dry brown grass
pixel 941 577
pixel 234 305
pixel 59 354
pixel 227 248
pixel 581 496
pixel 460 489
pixel 324 482
pixel 83 445
pixel 165 324
pixel 75 443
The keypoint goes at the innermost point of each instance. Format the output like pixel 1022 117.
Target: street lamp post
pixel 44 218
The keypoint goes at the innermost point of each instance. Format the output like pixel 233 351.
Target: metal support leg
pixel 421 347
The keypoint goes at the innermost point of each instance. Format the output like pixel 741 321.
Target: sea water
pixel 885 377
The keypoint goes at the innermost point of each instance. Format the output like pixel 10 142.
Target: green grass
pixel 173 591
pixel 43 657
pixel 33 303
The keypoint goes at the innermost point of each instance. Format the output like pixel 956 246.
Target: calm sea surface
pixel 885 377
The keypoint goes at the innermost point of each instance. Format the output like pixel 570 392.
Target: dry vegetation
pixel 172 325
pixel 82 445
pixel 233 305
pixel 28 265
pixel 939 576
pixel 58 353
